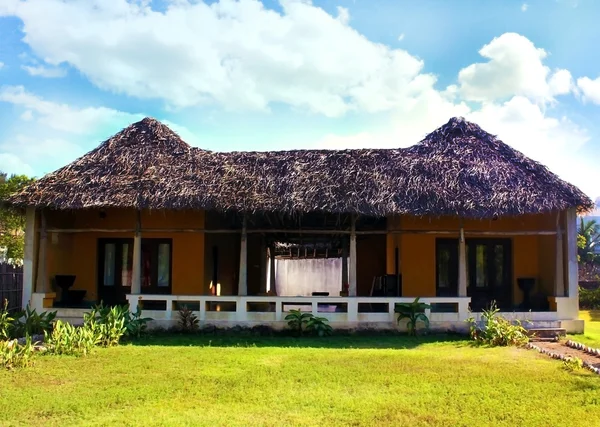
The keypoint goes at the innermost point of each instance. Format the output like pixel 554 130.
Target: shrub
pixel 135 324
pixel 589 299
pixel 30 322
pixel 71 340
pixel 14 355
pixel 572 364
pixel 319 326
pixel 6 322
pixel 414 312
pixel 188 321
pixel 496 330
pixel 106 323
pixel 297 319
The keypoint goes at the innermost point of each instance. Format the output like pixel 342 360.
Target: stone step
pixel 547 333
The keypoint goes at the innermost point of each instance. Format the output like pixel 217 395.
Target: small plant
pixel 297 320
pixel 414 312
pixel 188 321
pixel 14 355
pixel 319 326
pixel 572 364
pixel 135 324
pixel 107 323
pixel 496 330
pixel 6 322
pixel 71 340
pixel 30 322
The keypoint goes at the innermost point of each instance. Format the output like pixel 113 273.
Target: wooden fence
pixel 11 285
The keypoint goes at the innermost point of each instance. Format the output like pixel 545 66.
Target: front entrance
pixel 489 275
pixel 115 267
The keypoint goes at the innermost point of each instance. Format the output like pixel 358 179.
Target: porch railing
pixel 272 309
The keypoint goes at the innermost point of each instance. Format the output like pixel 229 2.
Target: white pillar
pixel 462 264
pixel 41 281
pixel 344 265
pixel 29 256
pixel 272 282
pixel 243 276
pixel 559 278
pixel 136 270
pixel 572 265
pixel 352 269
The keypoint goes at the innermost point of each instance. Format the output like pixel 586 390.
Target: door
pixel 489 275
pixel 115 268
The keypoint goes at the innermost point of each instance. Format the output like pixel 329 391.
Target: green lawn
pixel 387 380
pixel 591 336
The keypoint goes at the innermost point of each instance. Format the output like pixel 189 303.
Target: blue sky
pixel 246 75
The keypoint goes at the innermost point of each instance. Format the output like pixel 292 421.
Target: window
pixel 109 264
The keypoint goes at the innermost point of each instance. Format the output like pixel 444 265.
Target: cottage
pixel 459 219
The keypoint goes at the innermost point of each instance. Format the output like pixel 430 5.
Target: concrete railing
pixel 271 310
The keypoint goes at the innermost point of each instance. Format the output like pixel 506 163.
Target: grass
pixel 386 380
pixel 591 336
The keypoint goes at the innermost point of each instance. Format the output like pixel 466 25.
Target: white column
pixel 29 258
pixel 462 264
pixel 41 281
pixel 352 269
pixel 572 265
pixel 559 278
pixel 243 276
pixel 272 283
pixel 344 265
pixel 136 270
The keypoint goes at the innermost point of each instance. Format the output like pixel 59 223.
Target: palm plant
pixel 589 232
pixel 414 312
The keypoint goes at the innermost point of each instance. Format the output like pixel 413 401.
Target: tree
pixel 588 241
pixel 12 221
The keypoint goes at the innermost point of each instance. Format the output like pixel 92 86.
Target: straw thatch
pixel 458 169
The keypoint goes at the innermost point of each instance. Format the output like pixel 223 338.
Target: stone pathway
pixel 569 349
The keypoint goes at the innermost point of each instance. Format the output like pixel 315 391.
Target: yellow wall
pixel 76 253
pixel 533 256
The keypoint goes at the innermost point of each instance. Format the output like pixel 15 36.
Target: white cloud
pixel 561 82
pixel 26 116
pixel 590 89
pixel 1 65
pixel 515 67
pixel 64 117
pixel 401 37
pixel 524 7
pixel 239 55
pixel 12 164
pixel 43 71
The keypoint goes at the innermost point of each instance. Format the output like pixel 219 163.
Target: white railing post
pixel 278 310
pixel 241 309
pixel 352 310
pixel 315 308
pixel 202 309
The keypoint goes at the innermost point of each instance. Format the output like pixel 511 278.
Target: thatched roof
pixel 457 170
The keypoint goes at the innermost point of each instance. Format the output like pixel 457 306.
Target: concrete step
pixel 546 333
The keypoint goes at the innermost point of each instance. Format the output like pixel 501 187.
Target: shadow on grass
pixel 379 341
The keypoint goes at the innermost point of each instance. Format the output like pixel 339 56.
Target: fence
pixel 11 285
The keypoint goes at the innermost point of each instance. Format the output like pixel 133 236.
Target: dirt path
pixel 559 348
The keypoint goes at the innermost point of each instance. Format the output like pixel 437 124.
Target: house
pixel 459 219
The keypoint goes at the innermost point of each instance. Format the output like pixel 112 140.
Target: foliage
pixel 297 320
pixel 15 355
pixel 572 364
pixel 414 312
pixel 106 323
pixel 135 324
pixel 588 241
pixel 71 340
pixel 496 330
pixel 589 299
pixel 12 221
pixel 319 326
pixel 6 322
pixel 188 321
pixel 30 322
